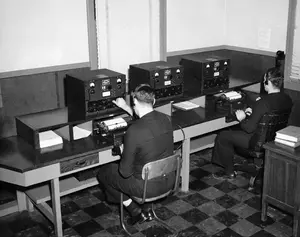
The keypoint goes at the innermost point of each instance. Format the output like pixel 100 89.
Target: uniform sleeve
pixel 129 152
pixel 249 125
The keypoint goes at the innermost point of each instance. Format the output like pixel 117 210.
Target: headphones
pixel 266 82
pixel 145 87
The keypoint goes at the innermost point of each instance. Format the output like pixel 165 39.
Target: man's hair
pixel 144 94
pixel 275 76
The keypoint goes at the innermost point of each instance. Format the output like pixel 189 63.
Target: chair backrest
pixel 161 168
pixel 268 125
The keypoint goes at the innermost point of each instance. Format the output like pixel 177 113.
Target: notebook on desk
pixel 186 105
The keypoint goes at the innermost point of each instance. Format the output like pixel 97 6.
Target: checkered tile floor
pixel 211 208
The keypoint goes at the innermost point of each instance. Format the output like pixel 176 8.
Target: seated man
pixel 227 141
pixel 149 138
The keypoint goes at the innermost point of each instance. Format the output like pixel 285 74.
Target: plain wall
pixel 193 24
pixel 35 33
pixel 253 24
pixel 128 32
pixel 257 24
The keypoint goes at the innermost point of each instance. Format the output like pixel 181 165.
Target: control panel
pixel 91 94
pixel 203 74
pixel 165 78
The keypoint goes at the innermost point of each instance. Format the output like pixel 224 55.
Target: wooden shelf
pixel 8 208
pixel 68 185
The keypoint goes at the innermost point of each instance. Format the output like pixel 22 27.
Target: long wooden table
pixel 20 164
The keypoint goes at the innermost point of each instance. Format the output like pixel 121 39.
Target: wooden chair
pixel 269 124
pixel 151 170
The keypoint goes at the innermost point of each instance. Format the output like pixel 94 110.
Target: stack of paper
pixel 49 138
pixel 233 95
pixel 185 105
pixel 289 136
pixel 79 133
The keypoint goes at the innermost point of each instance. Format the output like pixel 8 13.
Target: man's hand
pixel 121 148
pixel 121 103
pixel 240 115
pixel 248 111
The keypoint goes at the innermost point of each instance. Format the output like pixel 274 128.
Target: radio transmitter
pixel 165 78
pixel 205 74
pixel 90 94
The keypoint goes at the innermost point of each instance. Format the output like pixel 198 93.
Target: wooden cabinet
pixel 281 186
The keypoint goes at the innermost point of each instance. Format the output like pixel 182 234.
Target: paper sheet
pixel 264 38
pixel 49 138
pixel 185 105
pixel 79 133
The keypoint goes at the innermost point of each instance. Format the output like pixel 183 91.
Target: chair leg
pixel 174 232
pixel 122 215
pixel 254 178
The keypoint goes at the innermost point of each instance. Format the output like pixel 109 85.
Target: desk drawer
pixel 78 163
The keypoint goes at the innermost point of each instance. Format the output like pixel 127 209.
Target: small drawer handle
pixel 82 162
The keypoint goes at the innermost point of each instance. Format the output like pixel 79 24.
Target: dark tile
pixel 256 220
pixel 6 232
pixel 262 233
pixel 198 185
pixel 77 218
pixel 71 233
pixel 192 231
pixel 287 220
pixel 88 228
pixel 156 230
pixel 199 173
pixel 227 201
pixel 22 222
pixel 69 207
pixel 164 213
pixel 5 229
pixel 79 194
pixel 168 200
pixel 254 202
pixel 227 218
pixel 118 231
pixel 196 199
pixel 35 231
pixel 97 210
pixel 226 187
pixel 227 233
pixel 100 195
pixel 194 216
pixel 196 161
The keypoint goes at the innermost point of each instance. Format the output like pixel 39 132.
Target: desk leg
pixel 55 193
pixel 22 201
pixel 185 171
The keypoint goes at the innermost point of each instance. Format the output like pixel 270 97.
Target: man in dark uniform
pixel 227 141
pixel 149 138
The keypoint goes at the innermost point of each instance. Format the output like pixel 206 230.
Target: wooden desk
pixel 281 186
pixel 20 164
pixel 37 172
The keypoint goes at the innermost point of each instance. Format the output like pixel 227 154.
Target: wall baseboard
pixel 220 47
pixel 26 72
